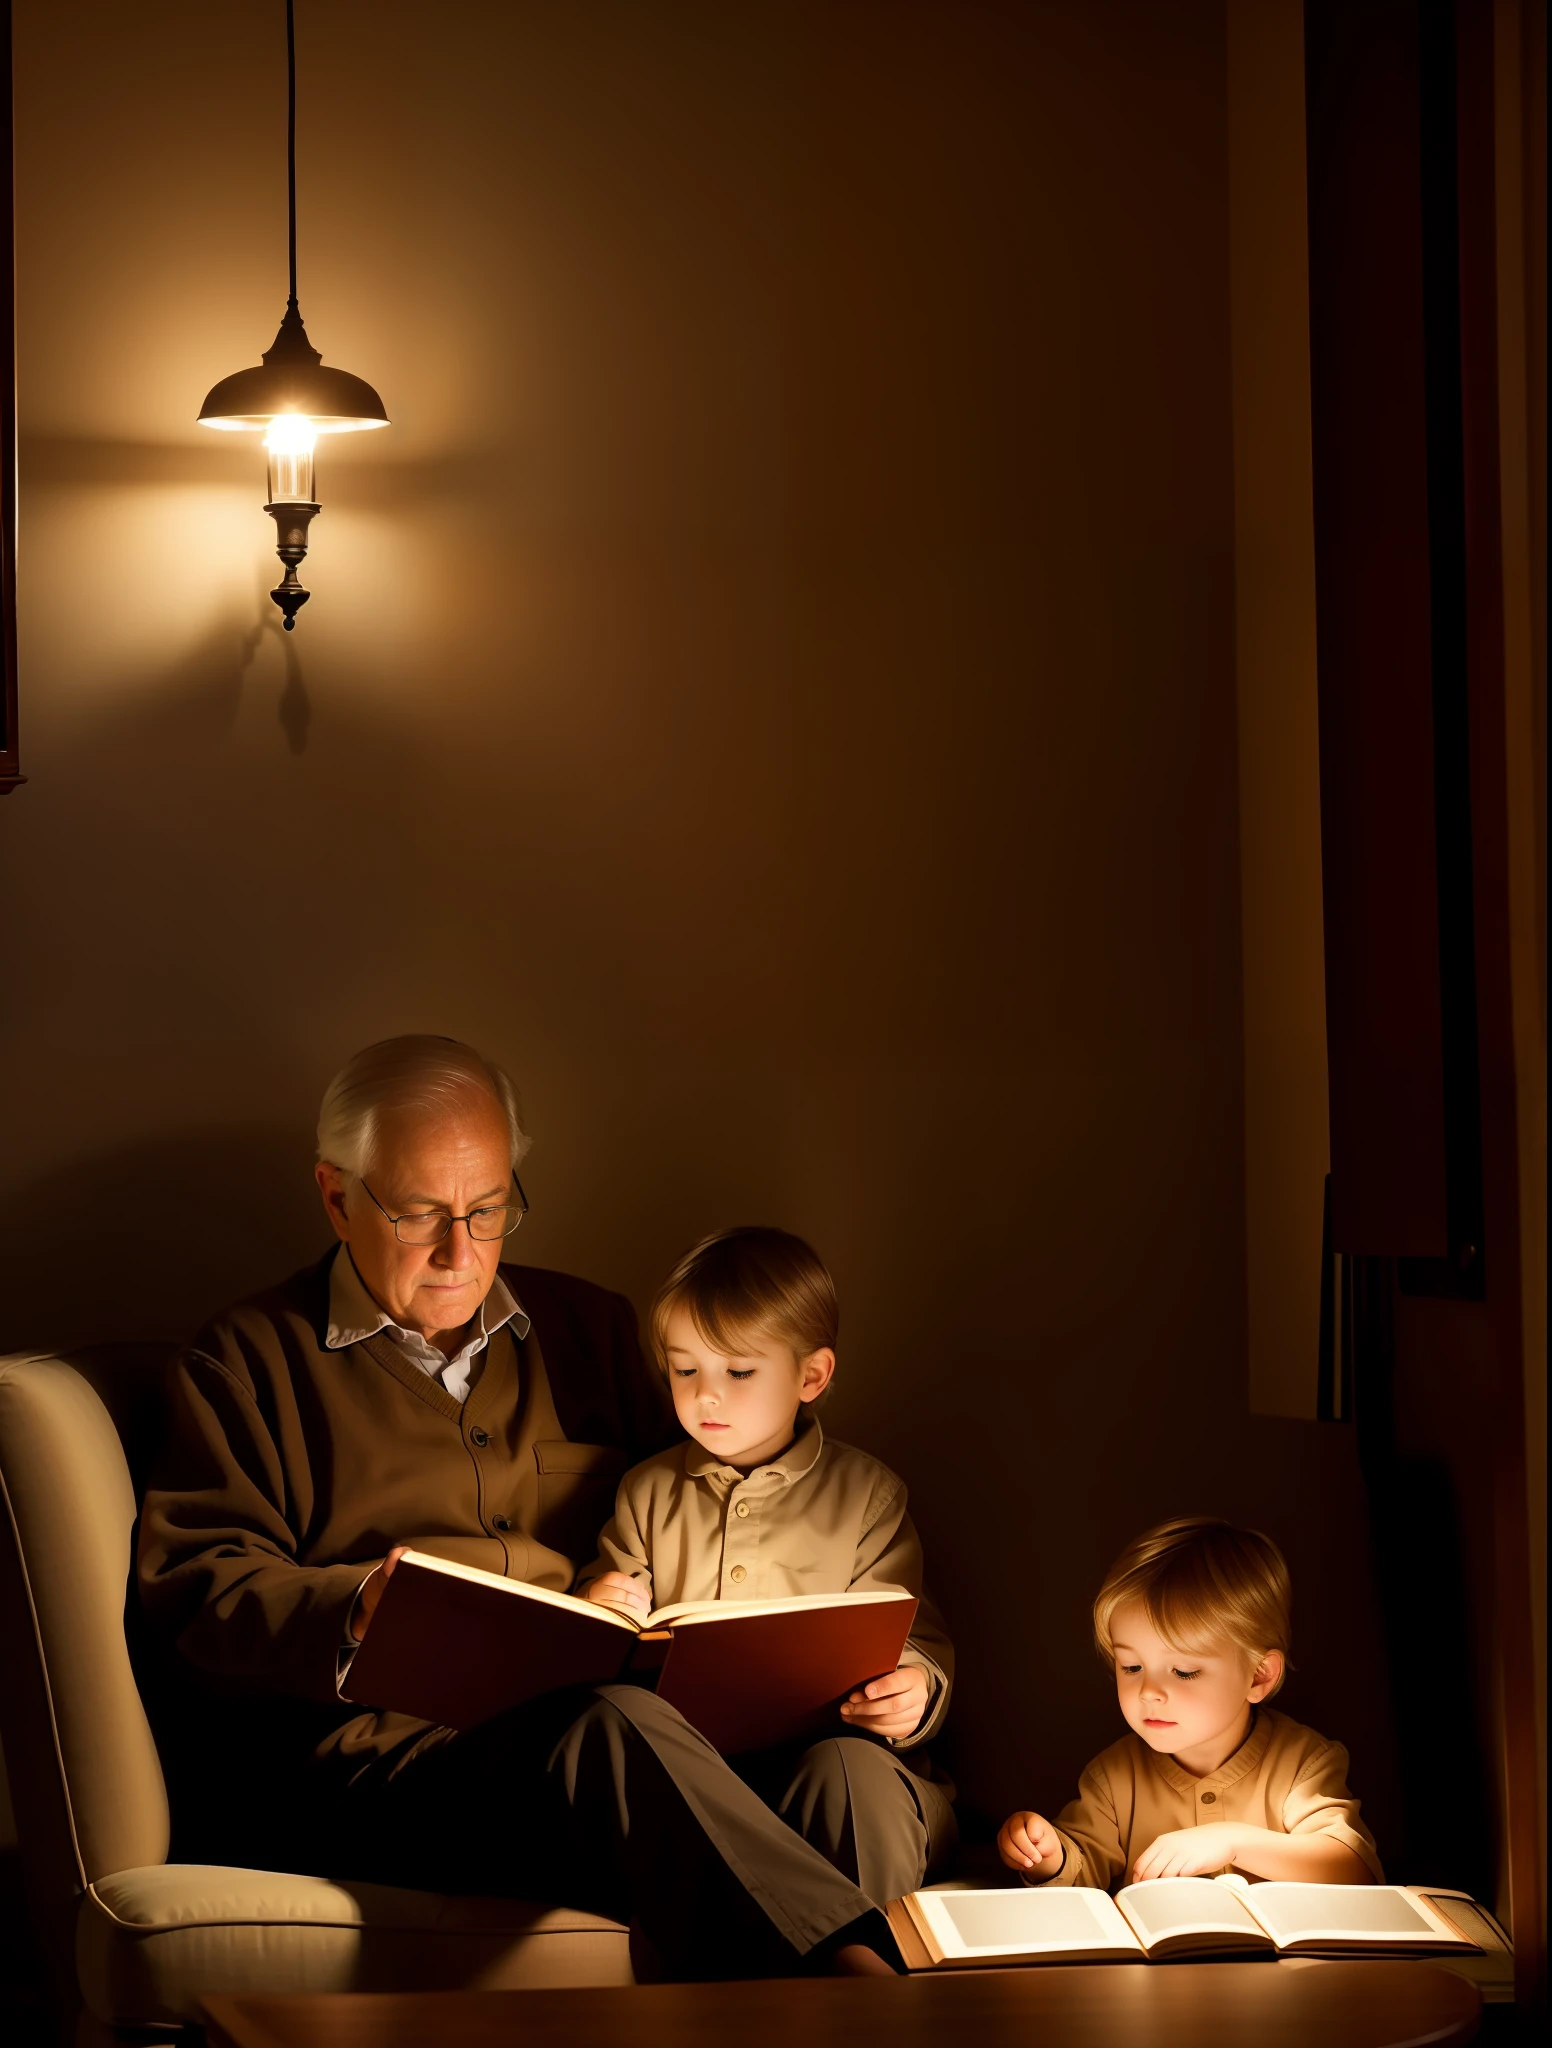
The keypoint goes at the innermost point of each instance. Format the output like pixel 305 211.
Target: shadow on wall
pixel 295 709
pixel 207 686
pixel 197 699
pixel 147 1240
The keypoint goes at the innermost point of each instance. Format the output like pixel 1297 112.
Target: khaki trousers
pixel 608 1799
pixel 854 1800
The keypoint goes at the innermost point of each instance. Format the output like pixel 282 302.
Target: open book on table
pixel 1171 1918
pixel 457 1645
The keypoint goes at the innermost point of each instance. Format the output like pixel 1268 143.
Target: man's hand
pixel 369 1595
pixel 1189 1852
pixel 617 1589
pixel 1027 1841
pixel 892 1705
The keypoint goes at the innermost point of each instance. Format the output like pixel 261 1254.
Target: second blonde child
pixel 1193 1617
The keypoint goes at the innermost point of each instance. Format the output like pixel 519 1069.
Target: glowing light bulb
pixel 292 505
pixel 290 443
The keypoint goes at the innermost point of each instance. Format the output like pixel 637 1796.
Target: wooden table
pixel 1175 2005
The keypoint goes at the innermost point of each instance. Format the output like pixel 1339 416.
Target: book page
pixel 473 1576
pixel 1383 1915
pixel 1167 1908
pixel 985 1926
pixel 711 1610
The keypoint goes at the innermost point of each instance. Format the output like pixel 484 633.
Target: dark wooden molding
pixel 1390 576
pixel 1415 788
pixel 10 753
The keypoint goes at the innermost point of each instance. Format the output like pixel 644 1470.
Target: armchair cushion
pixel 151 1943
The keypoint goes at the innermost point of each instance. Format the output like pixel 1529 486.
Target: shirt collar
pixel 1244 1760
pixel 354 1315
pixel 800 1456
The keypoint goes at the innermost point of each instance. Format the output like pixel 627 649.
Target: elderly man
pixel 410 1388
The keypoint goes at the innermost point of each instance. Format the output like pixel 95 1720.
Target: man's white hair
pixel 414 1072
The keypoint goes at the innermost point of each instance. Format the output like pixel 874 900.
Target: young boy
pixel 758 1504
pixel 1194 1616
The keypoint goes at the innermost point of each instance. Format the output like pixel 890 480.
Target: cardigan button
pixel 500 1522
pixel 479 1438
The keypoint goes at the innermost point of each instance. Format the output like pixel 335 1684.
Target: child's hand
pixel 1189 1852
pixel 890 1706
pixel 615 1589
pixel 1026 1841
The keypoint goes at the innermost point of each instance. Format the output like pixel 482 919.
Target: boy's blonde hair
pixel 743 1285
pixel 1202 1583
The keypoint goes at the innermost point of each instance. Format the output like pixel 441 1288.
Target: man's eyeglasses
pixel 430 1226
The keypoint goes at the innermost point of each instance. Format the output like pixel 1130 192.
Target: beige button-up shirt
pixel 821 1518
pixel 1283 1776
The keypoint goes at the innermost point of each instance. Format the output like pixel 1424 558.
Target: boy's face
pixel 1186 1706
pixel 743 1407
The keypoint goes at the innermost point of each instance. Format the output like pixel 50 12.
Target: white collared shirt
pixel 355 1315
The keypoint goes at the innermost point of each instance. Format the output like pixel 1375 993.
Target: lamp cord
pixel 291 133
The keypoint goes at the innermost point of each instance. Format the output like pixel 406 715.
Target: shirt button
pixel 500 1522
pixel 1209 1798
pixel 742 1511
pixel 738 1575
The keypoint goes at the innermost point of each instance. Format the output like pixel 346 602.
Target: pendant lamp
pixel 292 398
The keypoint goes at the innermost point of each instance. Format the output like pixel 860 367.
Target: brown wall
pixel 772 687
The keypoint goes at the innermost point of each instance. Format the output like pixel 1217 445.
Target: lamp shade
pixel 292 378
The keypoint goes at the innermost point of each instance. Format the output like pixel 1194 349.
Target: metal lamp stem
pixel 291 132
pixel 291 521
pixel 291 524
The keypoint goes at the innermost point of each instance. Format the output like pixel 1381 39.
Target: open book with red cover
pixel 456 1645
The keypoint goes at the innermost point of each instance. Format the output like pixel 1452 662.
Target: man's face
pixel 455 1159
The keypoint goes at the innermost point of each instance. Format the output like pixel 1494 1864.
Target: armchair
pixel 132 1942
